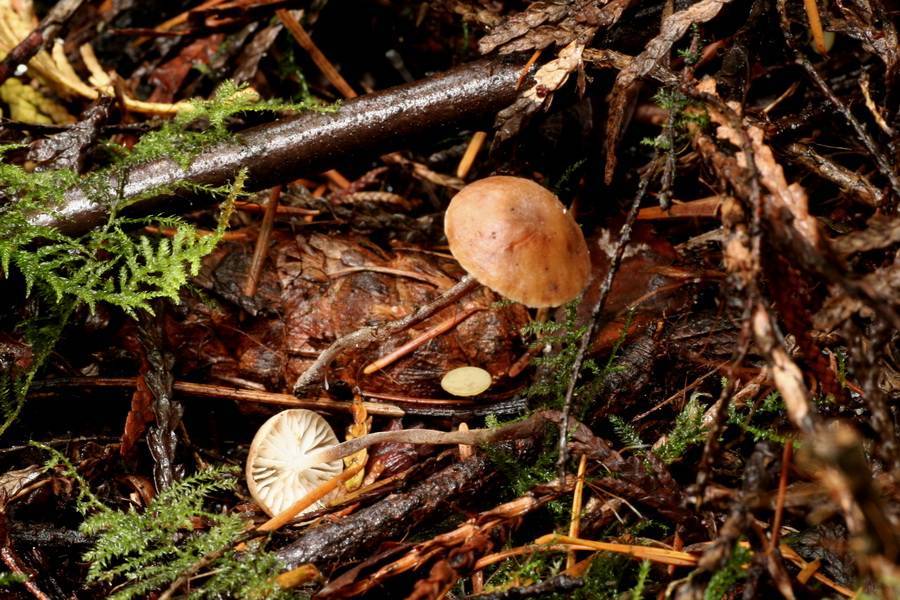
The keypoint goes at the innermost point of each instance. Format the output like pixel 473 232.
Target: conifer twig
pixel 605 287
pixel 367 335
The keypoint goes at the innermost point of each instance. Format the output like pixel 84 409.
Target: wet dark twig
pixel 281 151
pixel 614 262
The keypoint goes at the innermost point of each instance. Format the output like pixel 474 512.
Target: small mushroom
pixel 517 238
pixel 286 459
pixel 466 381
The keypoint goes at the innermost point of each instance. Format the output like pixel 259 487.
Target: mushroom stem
pixel 366 335
pixel 473 437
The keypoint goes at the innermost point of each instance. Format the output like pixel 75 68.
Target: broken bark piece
pixel 359 535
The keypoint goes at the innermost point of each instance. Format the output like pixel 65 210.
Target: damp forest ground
pixel 214 212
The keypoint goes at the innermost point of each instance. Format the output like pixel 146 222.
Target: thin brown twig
pixel 577 500
pixel 322 62
pixel 221 392
pixel 883 164
pixel 262 243
pixel 606 286
pixel 43 35
pixel 472 150
pixel 367 335
pixel 314 495
pixel 441 328
pixel 782 493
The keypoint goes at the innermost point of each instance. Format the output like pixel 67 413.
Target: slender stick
pixel 660 555
pixel 43 36
pixel 473 437
pixel 328 70
pixel 782 492
pixel 577 499
pixel 367 335
pixel 319 492
pixel 309 142
pixel 222 392
pixel 471 153
pixel 615 261
pixel 815 26
pixel 411 345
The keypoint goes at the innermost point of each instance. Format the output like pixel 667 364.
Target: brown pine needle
pixel 325 66
pixel 782 492
pixel 419 340
pixel 524 73
pixel 577 498
pixel 252 207
pixel 319 492
pixel 815 26
pixel 808 571
pixel 492 559
pixel 659 555
pixel 262 243
pixel 472 150
pixel 337 179
pixel 704 208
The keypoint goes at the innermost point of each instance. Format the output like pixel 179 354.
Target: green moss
pixel 114 264
pixel 688 430
pixel 772 406
pixel 11 579
pixel 731 573
pixel 144 551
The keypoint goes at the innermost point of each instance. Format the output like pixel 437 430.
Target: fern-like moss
pixel 145 551
pixel 688 430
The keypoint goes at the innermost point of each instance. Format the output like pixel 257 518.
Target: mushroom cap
pixel 279 471
pixel 466 381
pixel 517 238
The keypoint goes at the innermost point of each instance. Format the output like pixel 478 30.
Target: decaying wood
pixel 352 538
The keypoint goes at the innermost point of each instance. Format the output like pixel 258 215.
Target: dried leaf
pixel 542 25
pixel 362 423
pixel 657 49
pixel 13 482
pixel 139 415
pixel 783 195
pixel 547 80
pixel 519 24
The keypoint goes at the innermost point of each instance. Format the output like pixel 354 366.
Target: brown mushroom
pixel 517 238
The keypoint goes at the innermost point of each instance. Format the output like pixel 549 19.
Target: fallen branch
pixel 281 151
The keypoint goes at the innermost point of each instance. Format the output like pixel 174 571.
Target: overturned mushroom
pixel 466 381
pixel 285 461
